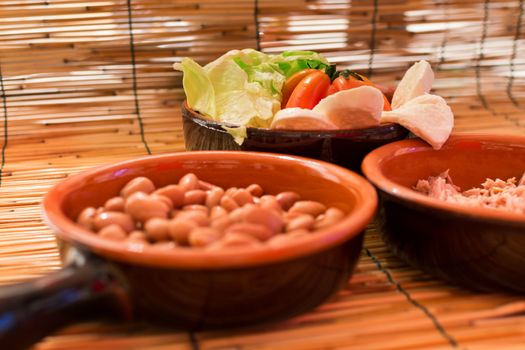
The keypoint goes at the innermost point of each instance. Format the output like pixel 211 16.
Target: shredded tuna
pixel 504 195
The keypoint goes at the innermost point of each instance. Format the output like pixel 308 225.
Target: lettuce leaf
pixel 239 101
pixel 197 87
pixel 243 87
pixel 239 133
pixel 291 62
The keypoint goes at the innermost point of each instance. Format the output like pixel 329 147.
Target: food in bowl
pixel 198 214
pixel 493 193
pixel 301 90
pixel 478 247
pixel 192 289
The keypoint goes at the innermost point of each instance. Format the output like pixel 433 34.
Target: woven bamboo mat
pixel 84 83
pixel 386 305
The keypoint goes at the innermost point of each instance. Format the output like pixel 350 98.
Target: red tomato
pixel 345 83
pixel 309 91
pixel 292 82
pixel 341 83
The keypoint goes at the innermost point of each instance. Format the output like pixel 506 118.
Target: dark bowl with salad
pixel 231 104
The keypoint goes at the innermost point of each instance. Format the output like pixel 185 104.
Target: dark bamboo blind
pixel 76 69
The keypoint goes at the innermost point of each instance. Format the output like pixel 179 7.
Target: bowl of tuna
pixel 457 212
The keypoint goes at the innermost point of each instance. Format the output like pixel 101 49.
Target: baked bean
pixel 157 229
pixel 217 212
pixel 230 191
pixel 114 204
pixel 194 197
pixel 164 199
pixel 203 236
pixel 237 214
pixel 179 230
pixel 221 223
pixel 173 192
pixel 308 207
pixel 269 202
pixel 261 232
pixel 173 213
pixel 213 196
pixel 228 203
pixel 196 207
pixel 242 197
pixel 86 216
pixel 138 184
pixel 335 212
pixel 143 207
pixel 330 217
pixel 287 199
pixel 113 217
pixel 287 216
pixel 189 182
pixel 266 197
pixel 137 235
pixel 113 232
pixel 265 217
pixel 303 221
pixel 196 216
pixel 255 190
pixel 283 239
pixel 205 186
pixel 235 239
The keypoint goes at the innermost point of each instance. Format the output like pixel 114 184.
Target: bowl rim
pixel 191 258
pixel 217 125
pixel 371 167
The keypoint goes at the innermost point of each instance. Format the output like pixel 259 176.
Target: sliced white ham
pixel 417 81
pixel 354 108
pixel 427 116
pixel 300 119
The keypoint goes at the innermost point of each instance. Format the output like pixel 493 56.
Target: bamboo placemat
pixel 88 83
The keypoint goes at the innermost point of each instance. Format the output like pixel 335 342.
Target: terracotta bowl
pixel 343 147
pixel 480 248
pixel 189 287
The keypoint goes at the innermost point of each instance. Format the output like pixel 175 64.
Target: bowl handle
pixel 89 287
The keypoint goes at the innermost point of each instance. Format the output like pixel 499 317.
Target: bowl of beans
pixel 457 212
pixel 196 240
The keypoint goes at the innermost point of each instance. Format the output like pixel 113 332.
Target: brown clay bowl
pixel 480 248
pixel 188 287
pixel 342 147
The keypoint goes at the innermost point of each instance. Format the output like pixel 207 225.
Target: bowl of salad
pixel 297 103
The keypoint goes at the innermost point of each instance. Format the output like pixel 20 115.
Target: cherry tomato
pixel 344 82
pixel 309 91
pixel 292 82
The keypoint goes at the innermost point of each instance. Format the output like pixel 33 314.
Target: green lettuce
pixel 198 88
pixel 238 133
pixel 291 62
pixel 243 87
